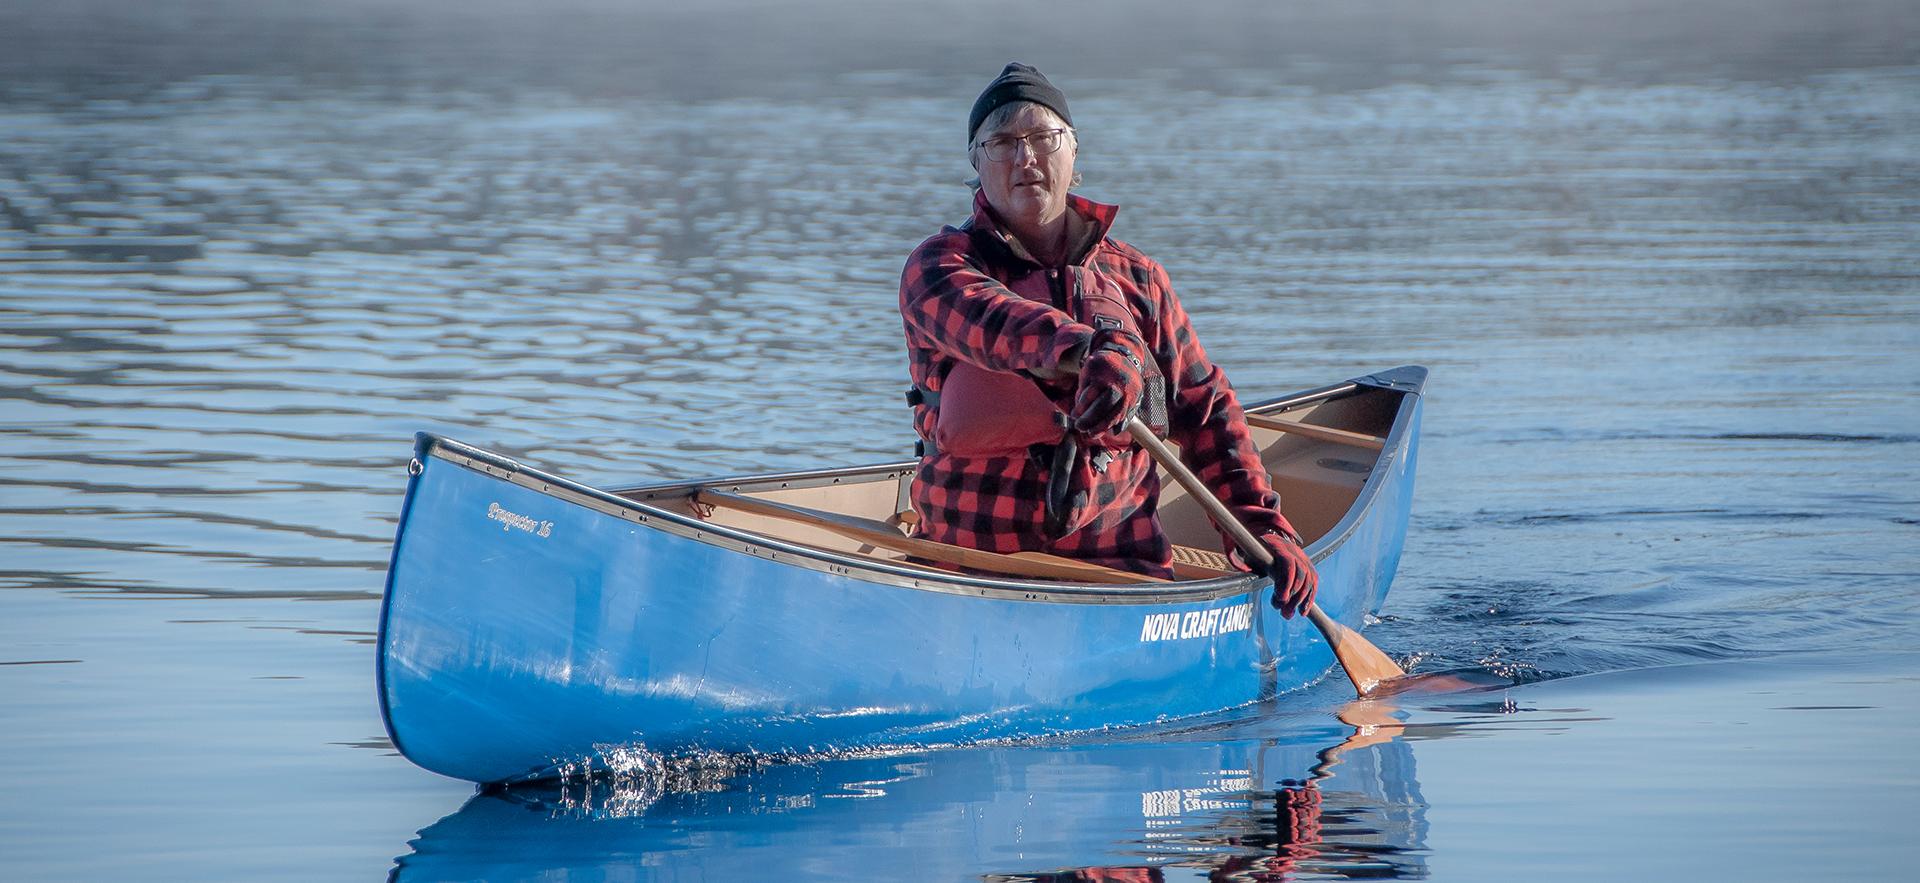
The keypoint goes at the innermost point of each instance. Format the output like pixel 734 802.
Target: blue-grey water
pixel 1661 258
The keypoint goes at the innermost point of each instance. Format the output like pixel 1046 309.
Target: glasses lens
pixel 1041 143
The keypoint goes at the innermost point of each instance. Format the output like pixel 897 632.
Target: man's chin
pixel 1029 202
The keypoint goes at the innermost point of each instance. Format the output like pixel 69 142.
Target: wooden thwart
pixel 1322 433
pixel 1036 565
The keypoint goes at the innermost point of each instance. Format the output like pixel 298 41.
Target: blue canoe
pixel 536 627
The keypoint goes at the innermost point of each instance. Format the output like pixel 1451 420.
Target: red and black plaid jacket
pixel 972 293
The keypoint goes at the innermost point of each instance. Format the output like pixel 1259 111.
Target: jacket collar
pixel 1087 224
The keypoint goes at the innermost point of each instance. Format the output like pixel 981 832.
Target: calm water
pixel 1662 263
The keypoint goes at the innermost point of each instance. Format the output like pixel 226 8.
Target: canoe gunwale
pixel 619 505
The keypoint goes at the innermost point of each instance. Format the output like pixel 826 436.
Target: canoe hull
pixel 526 635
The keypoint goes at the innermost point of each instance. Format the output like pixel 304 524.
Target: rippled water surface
pixel 1665 277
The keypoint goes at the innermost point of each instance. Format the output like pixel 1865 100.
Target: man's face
pixel 1027 190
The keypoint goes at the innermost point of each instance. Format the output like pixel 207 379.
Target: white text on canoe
pixel 1196 623
pixel 516 521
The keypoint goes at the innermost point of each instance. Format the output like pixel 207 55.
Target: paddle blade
pixel 1372 723
pixel 1366 665
pixel 1439 682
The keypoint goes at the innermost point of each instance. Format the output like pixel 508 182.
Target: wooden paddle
pixel 1366 666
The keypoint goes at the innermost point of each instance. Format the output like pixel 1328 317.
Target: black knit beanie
pixel 1018 82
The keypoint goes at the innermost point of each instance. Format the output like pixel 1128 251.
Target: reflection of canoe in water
pixel 534 626
pixel 999 813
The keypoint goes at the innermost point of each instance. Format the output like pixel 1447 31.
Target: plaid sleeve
pixel 1206 421
pixel 954 307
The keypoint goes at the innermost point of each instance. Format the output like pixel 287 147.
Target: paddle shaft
pixel 1169 460
pixel 1366 666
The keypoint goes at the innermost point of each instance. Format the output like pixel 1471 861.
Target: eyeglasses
pixel 1041 143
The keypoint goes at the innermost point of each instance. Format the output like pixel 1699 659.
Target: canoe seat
pixel 1192 563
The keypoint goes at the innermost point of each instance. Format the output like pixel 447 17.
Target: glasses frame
pixel 1009 145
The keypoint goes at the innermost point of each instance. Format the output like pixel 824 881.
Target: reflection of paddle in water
pixel 1305 825
pixel 1296 822
pixel 1373 722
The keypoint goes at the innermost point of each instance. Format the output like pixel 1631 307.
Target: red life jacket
pixel 996 413
pixel 993 414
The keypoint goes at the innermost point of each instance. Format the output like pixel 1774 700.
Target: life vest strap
pixel 917 396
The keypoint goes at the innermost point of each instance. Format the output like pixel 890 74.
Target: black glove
pixel 1111 383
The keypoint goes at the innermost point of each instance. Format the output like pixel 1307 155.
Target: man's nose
pixel 1024 154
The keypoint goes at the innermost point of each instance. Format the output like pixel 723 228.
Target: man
pixel 1032 336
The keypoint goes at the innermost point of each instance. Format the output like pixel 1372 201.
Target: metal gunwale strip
pixel 780 480
pixel 1287 403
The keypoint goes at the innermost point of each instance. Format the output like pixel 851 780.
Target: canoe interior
pixel 1318 481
